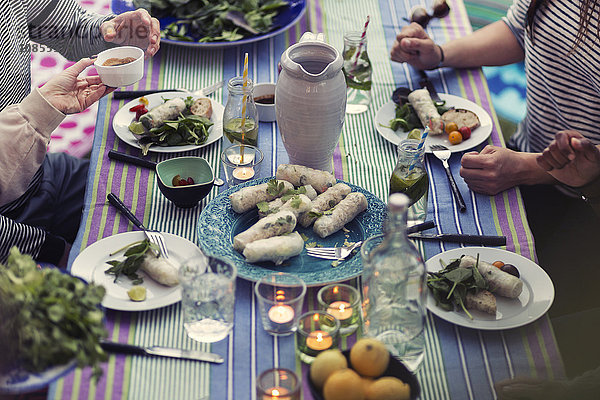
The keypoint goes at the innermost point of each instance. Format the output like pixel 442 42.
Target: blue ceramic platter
pixel 218 224
pixel 21 381
pixel 285 20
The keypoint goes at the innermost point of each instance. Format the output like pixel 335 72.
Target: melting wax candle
pixel 340 309
pixel 243 173
pixel 281 313
pixel 319 340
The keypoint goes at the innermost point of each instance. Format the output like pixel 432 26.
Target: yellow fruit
pixel 369 357
pixel 388 388
pixel 366 382
pixel 451 126
pixel 344 384
pixel 137 293
pixel 414 134
pixel 455 137
pixel 325 364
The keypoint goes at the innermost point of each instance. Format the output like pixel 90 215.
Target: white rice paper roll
pixel 276 249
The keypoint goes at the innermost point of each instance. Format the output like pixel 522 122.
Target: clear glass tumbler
pixel 358 72
pixel 208 297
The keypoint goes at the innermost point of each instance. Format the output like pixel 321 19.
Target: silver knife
pixel 196 355
pixel 460 238
pixel 205 91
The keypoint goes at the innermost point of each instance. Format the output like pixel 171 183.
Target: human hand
pixel 571 158
pixel 70 94
pixel 413 45
pixel 522 388
pixel 134 28
pixel 492 171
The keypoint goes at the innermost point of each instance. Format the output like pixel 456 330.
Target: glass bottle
pixel 410 177
pixel 394 288
pixel 358 72
pixel 232 115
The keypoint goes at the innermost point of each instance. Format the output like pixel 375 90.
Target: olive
pixel 419 15
pixel 440 8
pixel 400 95
pixel 510 269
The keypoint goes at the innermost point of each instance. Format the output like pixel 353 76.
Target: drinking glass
pixel 241 163
pixel 278 384
pixel 317 331
pixel 357 71
pixel 280 297
pixel 208 297
pixel 410 177
pixel 343 302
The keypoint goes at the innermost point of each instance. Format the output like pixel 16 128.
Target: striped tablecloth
pixel 460 363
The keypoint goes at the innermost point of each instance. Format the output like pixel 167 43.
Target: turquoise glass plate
pixel 218 224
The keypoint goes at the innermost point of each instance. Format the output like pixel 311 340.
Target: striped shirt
pixel 64 26
pixel 563 90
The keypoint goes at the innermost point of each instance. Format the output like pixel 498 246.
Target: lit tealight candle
pixel 319 340
pixel 340 309
pixel 281 313
pixel 243 173
pixel 275 393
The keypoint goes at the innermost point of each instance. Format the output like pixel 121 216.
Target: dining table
pixel 460 362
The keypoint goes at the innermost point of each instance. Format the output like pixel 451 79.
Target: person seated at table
pixel 556 40
pixel 574 161
pixel 41 195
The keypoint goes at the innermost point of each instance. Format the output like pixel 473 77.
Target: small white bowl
pixel 124 74
pixel 264 97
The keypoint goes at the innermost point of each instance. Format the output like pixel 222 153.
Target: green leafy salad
pixel 47 318
pixel 214 20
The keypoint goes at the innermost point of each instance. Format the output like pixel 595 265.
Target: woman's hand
pixel 412 45
pixel 134 28
pixel 571 158
pixel 70 94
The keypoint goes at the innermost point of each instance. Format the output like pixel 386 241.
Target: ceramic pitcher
pixel 310 101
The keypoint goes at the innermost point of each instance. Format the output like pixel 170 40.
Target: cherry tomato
pixel 190 181
pixel 465 131
pixel 450 127
pixel 498 264
pixel 455 137
pixel 138 107
pixel 144 101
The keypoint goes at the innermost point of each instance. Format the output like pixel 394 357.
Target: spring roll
pixel 276 249
pixel 274 225
pixel 300 175
pixel 499 282
pixel 160 269
pixel 297 203
pixel 248 197
pixel 311 193
pixel 426 110
pixel 324 202
pixel 157 116
pixel 344 212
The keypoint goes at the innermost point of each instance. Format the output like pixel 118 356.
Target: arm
pixel 26 127
pixel 496 169
pixel 494 44
pixel 42 246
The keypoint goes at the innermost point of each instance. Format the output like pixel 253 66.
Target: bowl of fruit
pixel 185 180
pixel 365 372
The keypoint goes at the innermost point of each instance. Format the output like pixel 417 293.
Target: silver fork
pixel 153 236
pixel 443 154
pixel 333 253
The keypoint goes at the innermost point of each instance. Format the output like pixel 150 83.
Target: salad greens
pixel 407 119
pixel 134 258
pixel 48 317
pixel 214 20
pixel 450 285
pixel 187 129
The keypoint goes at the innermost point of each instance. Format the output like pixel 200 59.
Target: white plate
pixel 534 301
pixel 90 265
pixel 388 112
pixel 124 117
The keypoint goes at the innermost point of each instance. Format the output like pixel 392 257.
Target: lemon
pixel 388 388
pixel 325 364
pixel 343 384
pixel 369 357
pixel 414 134
pixel 137 128
pixel 137 293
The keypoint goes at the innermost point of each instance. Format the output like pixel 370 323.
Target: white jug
pixel 310 101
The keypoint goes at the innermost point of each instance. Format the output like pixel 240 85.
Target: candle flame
pixel 275 392
pixel 336 290
pixel 342 307
pixel 319 337
pixel 316 317
pixel 280 295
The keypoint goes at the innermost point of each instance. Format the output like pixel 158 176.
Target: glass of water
pixel 357 71
pixel 208 297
